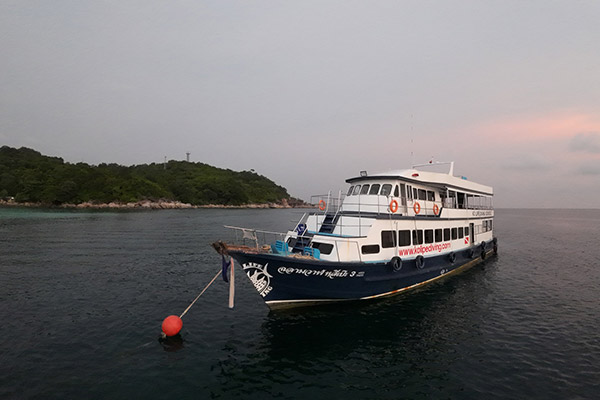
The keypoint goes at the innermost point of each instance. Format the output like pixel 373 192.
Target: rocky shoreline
pixel 151 205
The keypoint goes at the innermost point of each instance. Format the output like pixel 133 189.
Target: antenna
pixel 412 158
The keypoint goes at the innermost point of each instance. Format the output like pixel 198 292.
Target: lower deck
pixel 380 239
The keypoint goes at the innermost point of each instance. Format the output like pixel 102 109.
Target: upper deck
pixel 428 178
pixel 415 192
pixel 412 193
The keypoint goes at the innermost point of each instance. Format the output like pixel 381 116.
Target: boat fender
pixel 483 253
pixel 393 206
pixel 420 262
pixel 452 257
pixel 417 207
pixel 470 253
pixel 396 263
pixel 322 205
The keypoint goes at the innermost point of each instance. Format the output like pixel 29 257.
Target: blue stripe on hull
pixel 286 280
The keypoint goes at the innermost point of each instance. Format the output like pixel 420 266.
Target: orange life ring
pixel 436 209
pixel 417 207
pixel 322 205
pixel 393 206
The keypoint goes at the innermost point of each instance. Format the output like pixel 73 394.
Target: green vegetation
pixel 29 176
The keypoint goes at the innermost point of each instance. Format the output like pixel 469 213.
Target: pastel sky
pixel 308 93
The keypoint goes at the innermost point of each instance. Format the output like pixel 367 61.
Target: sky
pixel 309 93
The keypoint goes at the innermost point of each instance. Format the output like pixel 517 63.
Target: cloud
pixel 553 125
pixel 589 168
pixel 525 162
pixel 585 142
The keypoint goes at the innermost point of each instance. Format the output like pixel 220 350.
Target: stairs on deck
pixel 328 223
pixel 304 241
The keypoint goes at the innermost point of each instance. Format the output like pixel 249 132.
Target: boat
pixel 389 233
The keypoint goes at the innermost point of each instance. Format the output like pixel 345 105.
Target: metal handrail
pixel 252 234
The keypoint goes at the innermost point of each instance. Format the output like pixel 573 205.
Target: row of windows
pixel 373 189
pixel 420 236
pixel 410 237
pixel 463 200
pixel 420 194
pixel 450 198
pixel 386 190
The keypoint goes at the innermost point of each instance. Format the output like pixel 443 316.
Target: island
pixel 28 178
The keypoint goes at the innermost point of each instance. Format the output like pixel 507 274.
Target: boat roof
pixel 436 179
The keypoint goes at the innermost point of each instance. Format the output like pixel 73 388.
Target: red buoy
pixel 172 325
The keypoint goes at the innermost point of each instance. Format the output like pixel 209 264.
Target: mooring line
pixel 204 290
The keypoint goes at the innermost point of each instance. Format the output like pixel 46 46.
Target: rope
pixel 202 292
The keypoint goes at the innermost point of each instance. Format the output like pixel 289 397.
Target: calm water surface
pixel 83 294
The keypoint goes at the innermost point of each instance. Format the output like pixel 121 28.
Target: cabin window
pixel 356 190
pixel 415 194
pixel 466 231
pixel 370 249
pixel 365 189
pixel 350 191
pixel 292 242
pixel 461 200
pixel 374 189
pixel 454 233
pixel 461 232
pixel 388 239
pixel 442 195
pixel 422 194
pixel 452 198
pixel 403 193
pixel 417 236
pixel 428 235
pixel 430 195
pixel 446 234
pixel 404 238
pixel 396 192
pixel 324 248
pixel 487 225
pixel 387 189
pixel 438 235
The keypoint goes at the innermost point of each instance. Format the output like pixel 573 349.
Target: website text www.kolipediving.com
pixel 423 249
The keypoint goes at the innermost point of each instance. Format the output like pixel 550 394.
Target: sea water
pixel 83 294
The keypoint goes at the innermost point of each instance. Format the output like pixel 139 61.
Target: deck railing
pixel 255 237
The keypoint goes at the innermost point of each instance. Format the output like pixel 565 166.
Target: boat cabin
pixel 427 212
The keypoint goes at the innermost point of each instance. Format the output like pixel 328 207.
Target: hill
pixel 28 176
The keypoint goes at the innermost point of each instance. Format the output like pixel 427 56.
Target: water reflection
pixel 171 343
pixel 414 337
